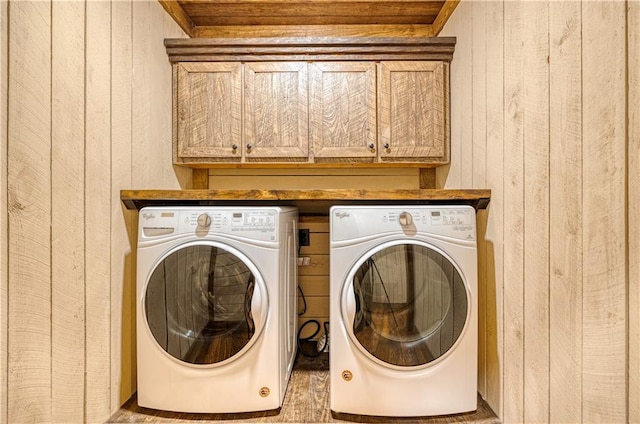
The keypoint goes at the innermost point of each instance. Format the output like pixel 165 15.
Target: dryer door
pixel 205 303
pixel 405 304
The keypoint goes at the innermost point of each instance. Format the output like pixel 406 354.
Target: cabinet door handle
pixel 249 146
pixel 234 147
pixel 386 145
pixel 371 146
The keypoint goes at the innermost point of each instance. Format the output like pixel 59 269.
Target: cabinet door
pixel 412 101
pixel 209 110
pixel 276 111
pixel 343 109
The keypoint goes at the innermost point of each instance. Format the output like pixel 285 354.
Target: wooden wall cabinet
pixel 275 119
pixel 338 102
pixel 208 109
pixel 414 107
pixel 343 110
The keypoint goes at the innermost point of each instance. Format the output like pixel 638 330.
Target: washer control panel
pixel 255 223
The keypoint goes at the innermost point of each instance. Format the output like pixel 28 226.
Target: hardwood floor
pixel 306 401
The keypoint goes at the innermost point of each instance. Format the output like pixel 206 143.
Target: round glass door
pixel 204 303
pixel 406 304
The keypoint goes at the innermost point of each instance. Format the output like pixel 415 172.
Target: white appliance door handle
pixel 349 306
pixel 256 306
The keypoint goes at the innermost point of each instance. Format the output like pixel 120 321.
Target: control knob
pixel 204 221
pixel 406 219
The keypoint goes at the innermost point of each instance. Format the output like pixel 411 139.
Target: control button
pixel 204 220
pixel 405 219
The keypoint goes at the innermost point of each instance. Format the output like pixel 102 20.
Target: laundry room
pixel 320 211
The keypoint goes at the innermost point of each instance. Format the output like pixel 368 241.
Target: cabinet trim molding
pixel 309 49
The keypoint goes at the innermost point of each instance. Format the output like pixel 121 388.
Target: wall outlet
pixel 303 237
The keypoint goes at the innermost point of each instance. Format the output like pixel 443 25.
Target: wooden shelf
pixel 307 201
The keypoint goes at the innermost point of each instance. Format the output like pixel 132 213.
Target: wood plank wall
pixel 545 114
pixel 4 257
pixel 86 112
pixel 313 279
pixel 633 83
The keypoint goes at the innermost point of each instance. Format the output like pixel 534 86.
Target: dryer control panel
pixel 351 222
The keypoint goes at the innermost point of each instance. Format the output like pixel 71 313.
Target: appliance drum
pixel 198 304
pixel 410 304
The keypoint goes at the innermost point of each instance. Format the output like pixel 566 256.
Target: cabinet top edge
pixel 310 48
pixel 309 41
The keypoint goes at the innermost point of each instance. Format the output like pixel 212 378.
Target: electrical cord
pixel 304 302
pixel 301 339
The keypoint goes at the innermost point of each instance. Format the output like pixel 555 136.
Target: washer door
pixel 205 303
pixel 405 304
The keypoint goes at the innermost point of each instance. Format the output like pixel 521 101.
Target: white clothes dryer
pixel 216 307
pixel 403 308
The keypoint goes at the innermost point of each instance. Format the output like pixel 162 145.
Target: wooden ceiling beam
pixel 262 31
pixel 442 18
pixel 410 18
pixel 178 14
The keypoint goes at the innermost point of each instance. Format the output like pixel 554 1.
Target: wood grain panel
pixel 495 214
pixel 604 256
pixel 209 110
pixel 314 13
pixel 536 211
pixel 314 285
pixel 317 308
pixel 514 221
pixel 151 99
pixel 98 212
pixel 308 201
pixel 633 67
pixel 122 271
pixel 450 175
pixel 465 113
pixel 337 18
pixel 276 111
pixel 287 31
pixel 29 207
pixel 4 229
pixel 411 111
pixel 67 223
pixel 319 244
pixel 314 179
pixel 565 213
pixel 319 266
pixel 342 109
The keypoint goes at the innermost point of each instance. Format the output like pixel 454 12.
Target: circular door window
pixel 203 303
pixel 410 304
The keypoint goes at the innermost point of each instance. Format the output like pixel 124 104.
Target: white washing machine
pixel 403 308
pixel 216 307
